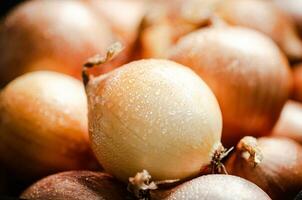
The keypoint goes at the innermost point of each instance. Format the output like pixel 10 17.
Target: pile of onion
pixel 43 125
pixel 289 123
pixel 218 187
pixel 155 115
pixel 170 20
pixel 272 163
pixel 246 71
pixel 297 92
pixel 53 35
pixel 80 185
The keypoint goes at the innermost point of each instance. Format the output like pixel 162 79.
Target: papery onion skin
pixel 279 173
pixel 265 17
pixel 78 185
pixel 218 187
pixel 246 71
pixel 289 123
pixel 297 91
pixel 155 115
pixel 51 35
pixel 43 125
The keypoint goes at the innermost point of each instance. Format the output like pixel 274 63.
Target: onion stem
pixel 250 150
pixel 112 51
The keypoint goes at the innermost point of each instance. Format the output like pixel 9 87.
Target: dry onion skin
pixel 289 123
pixel 265 17
pixel 43 125
pixel 218 187
pixel 246 71
pixel 297 91
pixel 51 35
pixel 155 115
pixel 272 163
pixel 76 185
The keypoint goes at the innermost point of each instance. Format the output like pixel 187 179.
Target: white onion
pixel 155 115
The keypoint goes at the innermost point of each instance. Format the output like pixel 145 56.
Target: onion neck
pixel 249 150
pixel 111 53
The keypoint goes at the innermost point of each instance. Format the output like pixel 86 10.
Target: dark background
pixel 7 5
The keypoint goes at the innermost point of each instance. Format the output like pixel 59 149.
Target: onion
pixel 218 187
pixel 293 8
pixel 246 71
pixel 172 19
pixel 289 124
pixel 124 16
pixel 155 115
pixel 297 93
pixel 54 35
pixel 274 164
pixel 43 125
pixel 167 21
pixel 263 16
pixel 80 185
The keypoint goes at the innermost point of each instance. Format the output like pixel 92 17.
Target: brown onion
pixel 218 187
pixel 293 8
pixel 43 125
pixel 263 16
pixel 246 71
pixel 272 163
pixel 78 185
pixel 53 35
pixel 290 122
pixel 297 92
